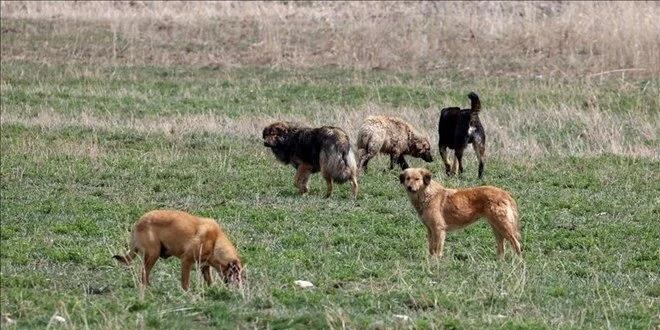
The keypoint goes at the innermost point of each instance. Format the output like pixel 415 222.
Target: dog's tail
pixel 126 260
pixel 475 104
pixel 339 161
pixel 515 220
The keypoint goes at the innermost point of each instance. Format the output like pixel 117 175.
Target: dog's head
pixel 421 148
pixel 275 133
pixel 415 179
pixel 232 273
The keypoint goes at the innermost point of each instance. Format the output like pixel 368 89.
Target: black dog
pixel 326 149
pixel 459 127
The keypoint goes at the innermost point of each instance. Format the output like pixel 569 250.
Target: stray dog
pixel 443 210
pixel 326 149
pixel 165 233
pixel 392 136
pixel 456 129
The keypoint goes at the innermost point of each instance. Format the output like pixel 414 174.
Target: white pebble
pixel 402 317
pixel 58 319
pixel 304 284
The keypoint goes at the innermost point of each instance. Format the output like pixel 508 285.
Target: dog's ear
pixel 402 177
pixel 279 128
pixel 426 177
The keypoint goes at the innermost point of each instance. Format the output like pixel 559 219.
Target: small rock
pixel 403 318
pixel 58 319
pixel 303 284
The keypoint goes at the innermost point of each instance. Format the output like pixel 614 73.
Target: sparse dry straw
pixel 484 38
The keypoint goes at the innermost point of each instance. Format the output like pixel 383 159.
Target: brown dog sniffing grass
pixel 442 209
pixel 165 233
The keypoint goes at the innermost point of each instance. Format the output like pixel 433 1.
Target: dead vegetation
pixel 547 132
pixel 479 38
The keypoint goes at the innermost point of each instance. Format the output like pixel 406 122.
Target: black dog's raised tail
pixel 475 104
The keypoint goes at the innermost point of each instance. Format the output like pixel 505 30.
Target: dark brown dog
pixel 456 129
pixel 165 233
pixel 392 136
pixel 326 149
pixel 443 210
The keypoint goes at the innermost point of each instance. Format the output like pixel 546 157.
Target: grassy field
pixel 88 144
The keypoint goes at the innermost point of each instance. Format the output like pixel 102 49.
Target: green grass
pixel 589 228
pixel 149 91
pixel 70 191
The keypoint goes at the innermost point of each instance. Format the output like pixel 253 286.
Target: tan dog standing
pixel 443 210
pixel 165 233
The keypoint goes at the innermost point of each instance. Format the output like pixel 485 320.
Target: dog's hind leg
pixel 454 165
pixel 354 186
pixel 186 265
pixel 149 260
pixel 445 159
pixel 515 243
pixel 505 229
pixel 480 150
pixel 499 239
pixel 392 160
pixel 458 153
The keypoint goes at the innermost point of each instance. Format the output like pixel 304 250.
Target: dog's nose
pixel 409 188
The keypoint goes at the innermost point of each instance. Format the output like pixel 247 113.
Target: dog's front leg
pixel 328 181
pixel 402 162
pixel 186 265
pixel 429 239
pixel 206 272
pixel 459 159
pixel 440 242
pixel 436 243
pixel 302 177
pixel 435 225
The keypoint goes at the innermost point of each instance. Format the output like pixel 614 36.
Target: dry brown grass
pixel 482 38
pixel 547 132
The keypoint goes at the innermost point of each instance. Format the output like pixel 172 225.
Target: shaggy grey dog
pixel 392 136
